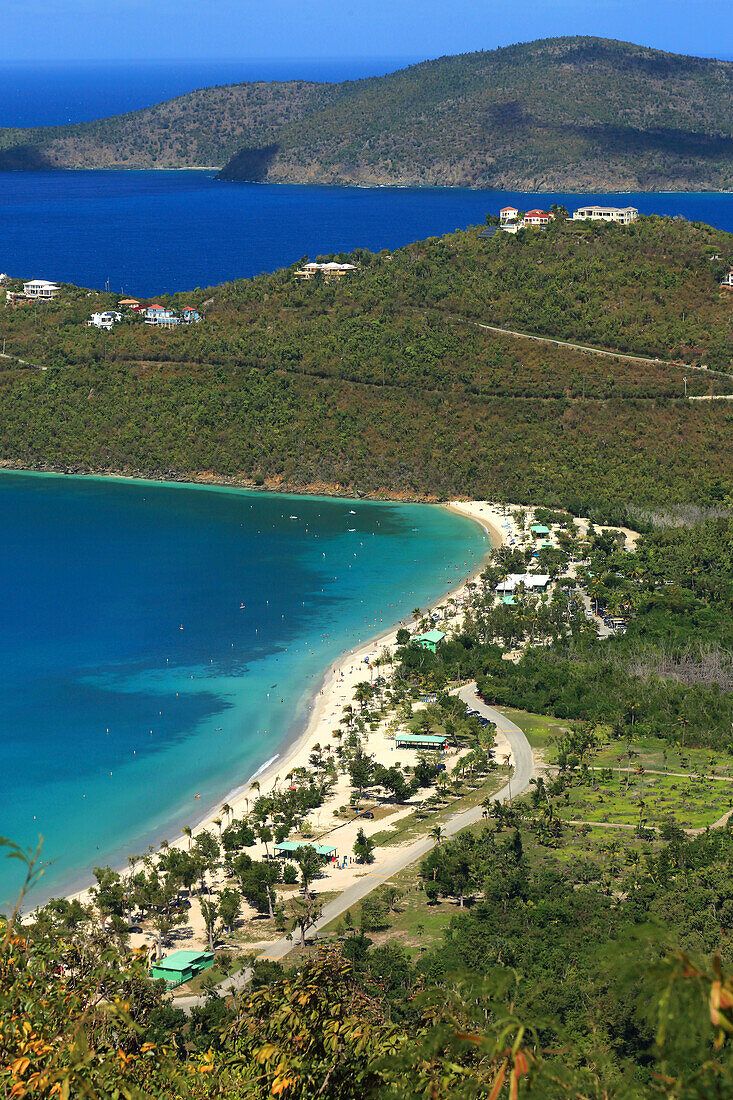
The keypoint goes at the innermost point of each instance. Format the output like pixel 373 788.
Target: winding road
pixel 523 771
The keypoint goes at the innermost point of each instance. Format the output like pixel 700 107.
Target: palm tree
pixel 436 833
pixel 255 786
pixel 217 821
pixel 506 760
pixel 227 810
pixel 188 831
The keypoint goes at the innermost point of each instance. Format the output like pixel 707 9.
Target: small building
pixel 128 303
pixel 511 227
pixel 538 217
pixel 161 315
pixel 105 320
pixel 508 214
pixel 728 280
pixel 329 271
pixel 539 530
pixel 420 741
pixel 190 316
pixel 181 966
pixel 621 215
pixel 532 582
pixel 41 290
pixel 288 847
pixel 431 640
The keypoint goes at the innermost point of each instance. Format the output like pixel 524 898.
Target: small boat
pixel 293 517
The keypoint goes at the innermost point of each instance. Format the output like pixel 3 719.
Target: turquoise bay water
pixel 131 676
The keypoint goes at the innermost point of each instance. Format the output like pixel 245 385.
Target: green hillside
pixel 563 113
pixel 384 384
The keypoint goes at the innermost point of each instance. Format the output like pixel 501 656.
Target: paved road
pixel 522 773
pixel 604 631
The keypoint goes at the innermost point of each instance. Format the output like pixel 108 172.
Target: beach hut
pixel 539 530
pixel 181 966
pixel 420 741
pixel 289 846
pixel 430 640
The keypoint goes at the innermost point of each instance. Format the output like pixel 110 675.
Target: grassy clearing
pixel 655 754
pixel 692 803
pixel 539 729
pixel 421 821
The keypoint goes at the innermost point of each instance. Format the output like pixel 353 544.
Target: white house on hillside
pixel 508 214
pixel 620 215
pixel 105 320
pixel 41 289
pixel 728 280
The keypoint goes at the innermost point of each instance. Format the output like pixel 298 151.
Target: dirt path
pixel 608 354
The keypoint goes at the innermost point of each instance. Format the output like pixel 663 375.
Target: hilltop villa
pixel 105 320
pixel 510 221
pixel 160 315
pixel 728 280
pixel 329 271
pixel 621 215
pixel 41 290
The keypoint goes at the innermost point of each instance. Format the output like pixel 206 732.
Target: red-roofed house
pixel 537 217
pixel 508 214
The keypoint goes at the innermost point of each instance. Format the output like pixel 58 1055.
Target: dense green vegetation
pixel 668 676
pixel 562 113
pixel 381 384
pixel 575 943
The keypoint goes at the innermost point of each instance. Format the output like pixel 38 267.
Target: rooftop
pixel 421 738
pixel 431 636
pixel 294 845
pixel 179 960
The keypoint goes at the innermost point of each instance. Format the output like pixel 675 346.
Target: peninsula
pixel 575 113
pixel 454 366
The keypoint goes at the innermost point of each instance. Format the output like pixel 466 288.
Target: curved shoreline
pixel 294 751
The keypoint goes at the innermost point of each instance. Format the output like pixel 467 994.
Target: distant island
pixel 575 114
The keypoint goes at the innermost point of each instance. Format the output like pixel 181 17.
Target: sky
pixel 91 30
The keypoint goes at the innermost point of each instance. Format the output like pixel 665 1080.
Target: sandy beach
pixel 326 710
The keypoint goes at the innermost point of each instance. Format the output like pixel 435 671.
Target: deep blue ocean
pixel 145 233
pixel 45 93
pixel 131 676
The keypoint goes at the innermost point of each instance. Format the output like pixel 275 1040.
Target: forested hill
pixel 384 384
pixel 562 113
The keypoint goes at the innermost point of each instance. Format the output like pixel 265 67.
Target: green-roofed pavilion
pixel 289 846
pixel 430 640
pixel 539 530
pixel 181 966
pixel 420 741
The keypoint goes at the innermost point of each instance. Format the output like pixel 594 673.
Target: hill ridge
pixel 574 113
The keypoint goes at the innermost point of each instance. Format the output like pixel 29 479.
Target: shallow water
pixel 133 679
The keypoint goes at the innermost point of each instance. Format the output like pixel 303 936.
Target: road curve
pixel 523 771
